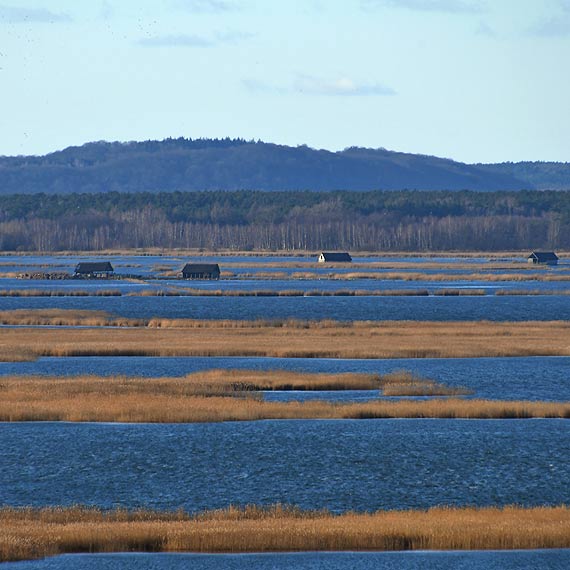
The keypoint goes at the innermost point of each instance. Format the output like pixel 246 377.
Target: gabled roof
pixel 544 256
pixel 94 267
pixel 201 268
pixel 336 256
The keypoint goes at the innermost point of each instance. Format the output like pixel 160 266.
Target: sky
pixel 471 80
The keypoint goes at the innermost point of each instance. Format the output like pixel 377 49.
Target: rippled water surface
pixel 477 560
pixel 340 465
pixel 493 308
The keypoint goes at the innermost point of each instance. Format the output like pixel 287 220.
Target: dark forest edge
pixel 278 221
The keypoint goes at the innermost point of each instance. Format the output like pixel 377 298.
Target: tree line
pixel 402 220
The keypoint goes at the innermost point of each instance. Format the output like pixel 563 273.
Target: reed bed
pixel 285 339
pixel 59 293
pixel 533 292
pixel 183 292
pixel 155 293
pixel 219 396
pixel 34 533
pixel 502 265
pixel 405 383
pixel 438 277
pixel 208 382
pixel 281 293
pixel 271 380
pixel 69 398
pixel 460 293
pixel 223 382
pixel 65 317
pixel 559 275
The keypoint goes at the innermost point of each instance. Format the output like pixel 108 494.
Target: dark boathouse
pixel 94 269
pixel 543 258
pixel 334 257
pixel 201 271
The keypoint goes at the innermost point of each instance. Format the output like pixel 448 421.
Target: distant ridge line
pixel 181 164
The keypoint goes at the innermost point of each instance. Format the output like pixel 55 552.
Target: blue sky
pixel 472 80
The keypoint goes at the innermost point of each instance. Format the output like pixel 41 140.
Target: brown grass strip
pixel 287 339
pixel 34 533
pixel 405 383
pixel 280 293
pixel 65 317
pixel 184 292
pixel 60 293
pixel 209 397
pixel 438 277
pixel 505 265
pixel 531 292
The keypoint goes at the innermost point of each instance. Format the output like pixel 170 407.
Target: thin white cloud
pixel 21 15
pixel 310 85
pixel 343 86
pixel 448 6
pixel 204 6
pixel 194 40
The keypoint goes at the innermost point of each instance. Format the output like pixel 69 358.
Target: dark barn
pixel 94 269
pixel 201 271
pixel 543 258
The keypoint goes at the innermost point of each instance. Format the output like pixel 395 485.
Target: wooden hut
pixel 201 271
pixel 334 257
pixel 543 258
pixel 95 269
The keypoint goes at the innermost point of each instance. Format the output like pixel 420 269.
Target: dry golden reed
pixel 220 396
pixel 279 338
pixel 33 533
pixel 60 293
pixel 506 265
pixel 405 383
pixel 438 277
pixel 190 292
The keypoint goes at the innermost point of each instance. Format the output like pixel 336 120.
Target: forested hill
pixel 233 164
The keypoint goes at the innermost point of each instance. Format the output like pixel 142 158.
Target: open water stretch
pixel 342 465
pixel 475 560
pixel 492 308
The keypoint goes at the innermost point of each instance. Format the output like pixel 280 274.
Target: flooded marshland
pixel 340 465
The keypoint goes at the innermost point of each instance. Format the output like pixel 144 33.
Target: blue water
pixel 422 560
pixel 525 378
pixel 361 465
pixel 506 308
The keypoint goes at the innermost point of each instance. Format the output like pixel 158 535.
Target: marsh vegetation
pixel 102 334
pixel 220 395
pixel 33 533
